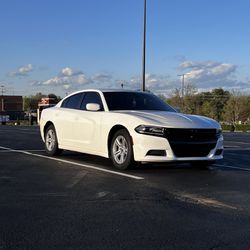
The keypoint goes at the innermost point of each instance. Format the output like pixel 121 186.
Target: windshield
pixel 135 101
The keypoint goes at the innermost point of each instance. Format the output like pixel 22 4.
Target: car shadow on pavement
pixel 106 163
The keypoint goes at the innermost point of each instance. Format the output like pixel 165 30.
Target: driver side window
pixel 72 102
pixel 91 97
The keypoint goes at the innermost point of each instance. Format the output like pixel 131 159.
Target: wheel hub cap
pixel 120 149
pixel 50 140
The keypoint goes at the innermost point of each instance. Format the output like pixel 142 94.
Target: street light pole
pixel 182 84
pixel 2 89
pixel 2 99
pixel 144 46
pixel 182 88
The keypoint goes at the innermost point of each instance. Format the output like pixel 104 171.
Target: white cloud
pixel 67 71
pixel 223 69
pixel 209 73
pixel 78 79
pixel 102 78
pixel 22 71
pixel 70 80
pixel 204 75
pixel 67 79
pixel 155 83
pixel 67 86
pixel 188 64
pixel 70 72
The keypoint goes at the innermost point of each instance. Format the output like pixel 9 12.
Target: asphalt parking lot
pixel 78 201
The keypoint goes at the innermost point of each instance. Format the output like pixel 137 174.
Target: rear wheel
pixel 51 143
pixel 121 150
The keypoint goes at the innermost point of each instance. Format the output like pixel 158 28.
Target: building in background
pixel 11 107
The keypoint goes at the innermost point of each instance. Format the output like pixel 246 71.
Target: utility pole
pixel 2 100
pixel 2 89
pixel 182 88
pixel 144 46
pixel 182 85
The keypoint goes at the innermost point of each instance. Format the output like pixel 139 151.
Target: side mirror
pixel 93 107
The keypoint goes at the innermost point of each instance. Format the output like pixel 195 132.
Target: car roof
pixel 106 90
pixel 112 90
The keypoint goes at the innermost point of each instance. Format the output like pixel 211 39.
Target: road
pixel 78 201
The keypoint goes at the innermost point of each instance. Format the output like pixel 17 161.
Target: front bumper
pixel 143 144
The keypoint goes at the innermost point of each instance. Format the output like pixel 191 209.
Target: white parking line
pixel 34 150
pixel 74 163
pixel 30 150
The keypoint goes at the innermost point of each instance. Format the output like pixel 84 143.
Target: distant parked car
pixel 129 127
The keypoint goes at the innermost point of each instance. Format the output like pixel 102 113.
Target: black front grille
pixel 191 142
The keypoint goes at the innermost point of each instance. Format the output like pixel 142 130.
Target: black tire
pixel 51 143
pixel 121 150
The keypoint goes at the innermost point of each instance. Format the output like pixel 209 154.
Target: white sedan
pixel 129 127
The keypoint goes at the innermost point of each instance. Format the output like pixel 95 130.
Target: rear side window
pixel 91 97
pixel 73 102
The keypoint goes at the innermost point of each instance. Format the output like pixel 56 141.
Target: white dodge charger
pixel 129 127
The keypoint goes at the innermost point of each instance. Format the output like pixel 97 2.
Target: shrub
pixel 238 127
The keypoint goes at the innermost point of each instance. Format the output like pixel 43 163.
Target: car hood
pixel 172 119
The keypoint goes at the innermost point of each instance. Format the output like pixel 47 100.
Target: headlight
pixel 150 130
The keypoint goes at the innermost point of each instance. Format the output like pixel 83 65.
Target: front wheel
pixel 51 143
pixel 121 150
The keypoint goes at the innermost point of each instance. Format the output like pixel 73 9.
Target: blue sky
pixel 60 46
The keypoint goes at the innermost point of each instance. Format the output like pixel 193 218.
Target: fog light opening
pixel 156 153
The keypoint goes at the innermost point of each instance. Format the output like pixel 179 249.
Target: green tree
pixel 163 97
pixel 237 108
pixel 190 99
pixel 53 96
pixel 175 99
pixel 206 109
pixel 220 98
pixel 31 102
